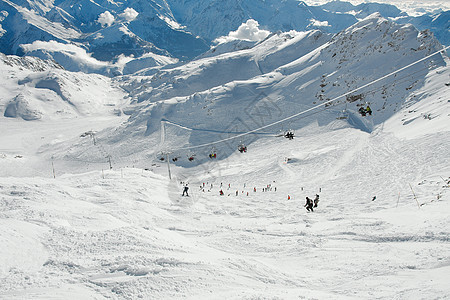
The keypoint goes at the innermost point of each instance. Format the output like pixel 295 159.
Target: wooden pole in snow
pixel 414 195
pixel 168 165
pixel 109 160
pixel 53 169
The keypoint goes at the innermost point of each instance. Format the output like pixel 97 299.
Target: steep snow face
pixel 426 110
pixel 362 53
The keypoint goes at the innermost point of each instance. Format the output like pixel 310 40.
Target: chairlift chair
pixel 289 134
pixel 213 153
pixel 161 156
pixel 343 115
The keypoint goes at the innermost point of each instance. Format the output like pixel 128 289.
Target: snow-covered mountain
pixel 137 28
pixel 107 30
pixel 438 23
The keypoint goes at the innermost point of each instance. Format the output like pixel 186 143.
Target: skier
pixel 316 200
pixel 221 193
pixel 185 190
pixel 362 111
pixel 368 110
pixel 309 204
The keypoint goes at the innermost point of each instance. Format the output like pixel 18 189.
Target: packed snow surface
pixel 128 233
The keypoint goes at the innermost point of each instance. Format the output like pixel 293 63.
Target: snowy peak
pixel 363 10
pixel 384 36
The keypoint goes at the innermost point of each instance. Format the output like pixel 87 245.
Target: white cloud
pixel 170 22
pixel 105 18
pixel 318 23
pixel 129 14
pixel 73 52
pixel 248 31
pixel 2 31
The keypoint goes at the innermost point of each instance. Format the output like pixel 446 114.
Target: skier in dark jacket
pixel 185 191
pixel 362 111
pixel 309 204
pixel 316 200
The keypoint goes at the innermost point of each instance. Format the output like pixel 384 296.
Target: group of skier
pixel 365 111
pixel 310 204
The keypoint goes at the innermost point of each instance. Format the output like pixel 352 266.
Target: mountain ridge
pixel 178 29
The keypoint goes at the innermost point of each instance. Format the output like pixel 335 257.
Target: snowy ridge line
pixel 312 108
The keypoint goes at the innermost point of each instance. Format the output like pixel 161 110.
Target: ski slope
pixel 128 233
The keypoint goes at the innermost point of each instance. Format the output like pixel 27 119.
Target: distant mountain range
pixel 178 29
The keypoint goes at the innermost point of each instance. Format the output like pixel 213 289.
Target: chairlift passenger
pixel 289 134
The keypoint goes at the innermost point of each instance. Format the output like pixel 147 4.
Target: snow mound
pixel 19 107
